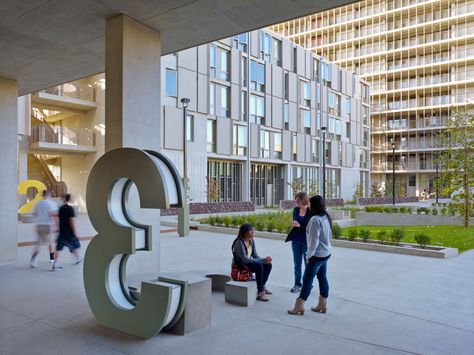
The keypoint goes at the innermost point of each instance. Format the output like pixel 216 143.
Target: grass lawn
pixel 448 236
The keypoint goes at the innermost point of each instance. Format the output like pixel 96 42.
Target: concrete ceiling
pixel 47 42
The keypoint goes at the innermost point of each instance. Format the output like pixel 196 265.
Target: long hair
pixel 303 196
pixel 243 230
pixel 318 207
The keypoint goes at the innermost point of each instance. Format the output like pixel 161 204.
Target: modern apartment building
pixel 253 124
pixel 418 56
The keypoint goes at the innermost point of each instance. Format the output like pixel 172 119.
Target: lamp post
pixel 183 213
pixel 393 173
pixel 323 129
pixel 437 181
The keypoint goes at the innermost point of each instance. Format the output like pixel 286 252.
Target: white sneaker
pixel 56 266
pixel 33 265
pixel 51 261
pixel 78 262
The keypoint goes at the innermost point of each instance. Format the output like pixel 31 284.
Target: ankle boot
pixel 322 306
pixel 298 309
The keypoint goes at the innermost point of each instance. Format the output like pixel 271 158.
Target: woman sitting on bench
pixel 245 256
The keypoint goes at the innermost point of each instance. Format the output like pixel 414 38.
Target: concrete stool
pixel 241 293
pixel 197 312
pixel 218 281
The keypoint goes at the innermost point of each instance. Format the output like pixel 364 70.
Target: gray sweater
pixel 318 237
pixel 240 253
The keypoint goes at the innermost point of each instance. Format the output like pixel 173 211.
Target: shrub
pixel 280 227
pixel 234 221
pixel 364 234
pixel 444 210
pixel 270 226
pixel 387 209
pixel 451 210
pixel 226 221
pixel 381 236
pixel 422 239
pixel 403 210
pixel 218 220
pixel 394 210
pixel 352 234
pixel 434 211
pixel 211 220
pixel 422 210
pixel 336 230
pixel 259 226
pixel 409 210
pixel 397 235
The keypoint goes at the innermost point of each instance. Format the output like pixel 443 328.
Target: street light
pixel 437 181
pixel 323 129
pixel 183 213
pixel 393 173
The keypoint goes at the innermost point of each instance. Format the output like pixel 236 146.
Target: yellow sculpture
pixel 23 189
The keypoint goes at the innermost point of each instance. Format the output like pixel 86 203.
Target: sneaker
pixel 267 291
pixel 295 289
pixel 51 261
pixel 56 266
pixel 262 297
pixel 78 262
pixel 33 264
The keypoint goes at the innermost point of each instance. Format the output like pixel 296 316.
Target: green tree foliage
pixel 297 185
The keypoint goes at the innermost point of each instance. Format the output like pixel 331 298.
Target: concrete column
pixel 8 169
pixel 132 112
pixel 132 74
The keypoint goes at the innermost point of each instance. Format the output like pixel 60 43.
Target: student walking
pixel 318 238
pixel 67 233
pixel 45 212
pixel 301 217
pixel 245 255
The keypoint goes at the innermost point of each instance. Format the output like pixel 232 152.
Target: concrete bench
pixel 219 281
pixel 241 293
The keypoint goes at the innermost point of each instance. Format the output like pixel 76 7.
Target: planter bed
pixel 403 219
pixel 372 245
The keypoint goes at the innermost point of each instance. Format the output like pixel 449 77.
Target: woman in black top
pixel 301 217
pixel 67 233
pixel 245 254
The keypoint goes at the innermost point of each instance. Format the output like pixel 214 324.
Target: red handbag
pixel 240 274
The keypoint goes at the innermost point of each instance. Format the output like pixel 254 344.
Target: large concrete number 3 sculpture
pixel 159 186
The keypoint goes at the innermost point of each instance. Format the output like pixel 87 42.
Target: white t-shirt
pixel 43 211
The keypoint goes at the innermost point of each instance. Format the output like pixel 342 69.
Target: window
pixel 189 128
pixel 365 93
pixel 244 105
pixel 240 140
pixel 348 106
pixel 265 46
pixel 243 71
pixel 295 51
pixel 293 145
pixel 224 64
pixel 365 115
pixel 314 150
pixel 277 148
pixel 315 69
pixel 264 144
pixel 224 109
pixel 212 99
pixel 226 177
pixel 327 152
pixel 365 137
pixel 287 86
pixel 240 42
pixel 348 130
pixel 257 76
pixel 286 115
pixel 306 121
pixel 334 103
pixel 277 52
pixel 219 100
pixel 171 86
pixel 339 154
pixel 219 63
pixel 326 73
pixel 211 136
pixel 257 109
pixel 412 180
pixel 306 93
pixel 335 128
pixel 213 60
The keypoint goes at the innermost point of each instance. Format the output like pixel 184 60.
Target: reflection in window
pixel 211 136
pixel 277 149
pixel 257 109
pixel 239 140
pixel 257 76
pixel 171 85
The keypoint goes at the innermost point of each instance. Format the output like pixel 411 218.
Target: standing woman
pixel 318 237
pixel 245 254
pixel 301 217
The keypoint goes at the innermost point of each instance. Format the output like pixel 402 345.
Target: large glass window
pixel 306 121
pixel 293 146
pixel 240 42
pixel 306 97
pixel 257 109
pixel 213 60
pixel 240 140
pixel 257 76
pixel 225 64
pixel 171 83
pixel 211 136
pixel 314 150
pixel 310 178
pixel 315 69
pixel 286 115
pixel 286 84
pixel 212 99
pixel 219 63
pixel 333 183
pixel 277 52
pixel 265 46
pixel 243 105
pixel 277 148
pixel 326 72
pixel 334 103
pixel 224 109
pixel 348 106
pixel 189 128
pixel 266 184
pixel 224 181
pixel 243 71
pixel 264 144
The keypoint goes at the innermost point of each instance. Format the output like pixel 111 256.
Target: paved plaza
pixel 379 304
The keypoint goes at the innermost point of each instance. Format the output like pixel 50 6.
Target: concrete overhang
pixel 48 42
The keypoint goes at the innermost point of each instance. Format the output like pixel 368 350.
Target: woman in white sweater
pixel 318 238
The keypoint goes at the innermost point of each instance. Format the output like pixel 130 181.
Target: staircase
pixel 38 170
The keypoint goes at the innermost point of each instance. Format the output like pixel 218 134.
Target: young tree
pixel 358 191
pixel 456 162
pixel 313 188
pixel 213 190
pixel 297 185
pixel 375 190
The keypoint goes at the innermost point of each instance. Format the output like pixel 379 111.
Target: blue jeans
pixel 315 268
pixel 262 271
pixel 299 256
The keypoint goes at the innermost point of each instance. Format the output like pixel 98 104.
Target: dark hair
pixel 243 230
pixel 45 193
pixel 67 197
pixel 318 207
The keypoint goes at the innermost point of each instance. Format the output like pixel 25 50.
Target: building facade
pixel 418 56
pixel 253 123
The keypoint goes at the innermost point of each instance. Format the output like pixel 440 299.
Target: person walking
pixel 45 212
pixel 318 238
pixel 245 254
pixel 67 233
pixel 301 217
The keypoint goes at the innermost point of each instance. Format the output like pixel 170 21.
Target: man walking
pixel 45 212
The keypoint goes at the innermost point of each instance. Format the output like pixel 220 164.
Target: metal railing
pixel 63 135
pixel 73 90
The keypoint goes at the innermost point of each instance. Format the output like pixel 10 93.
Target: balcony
pixel 62 139
pixel 76 96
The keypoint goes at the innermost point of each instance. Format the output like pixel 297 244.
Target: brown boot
pixel 321 307
pixel 298 309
